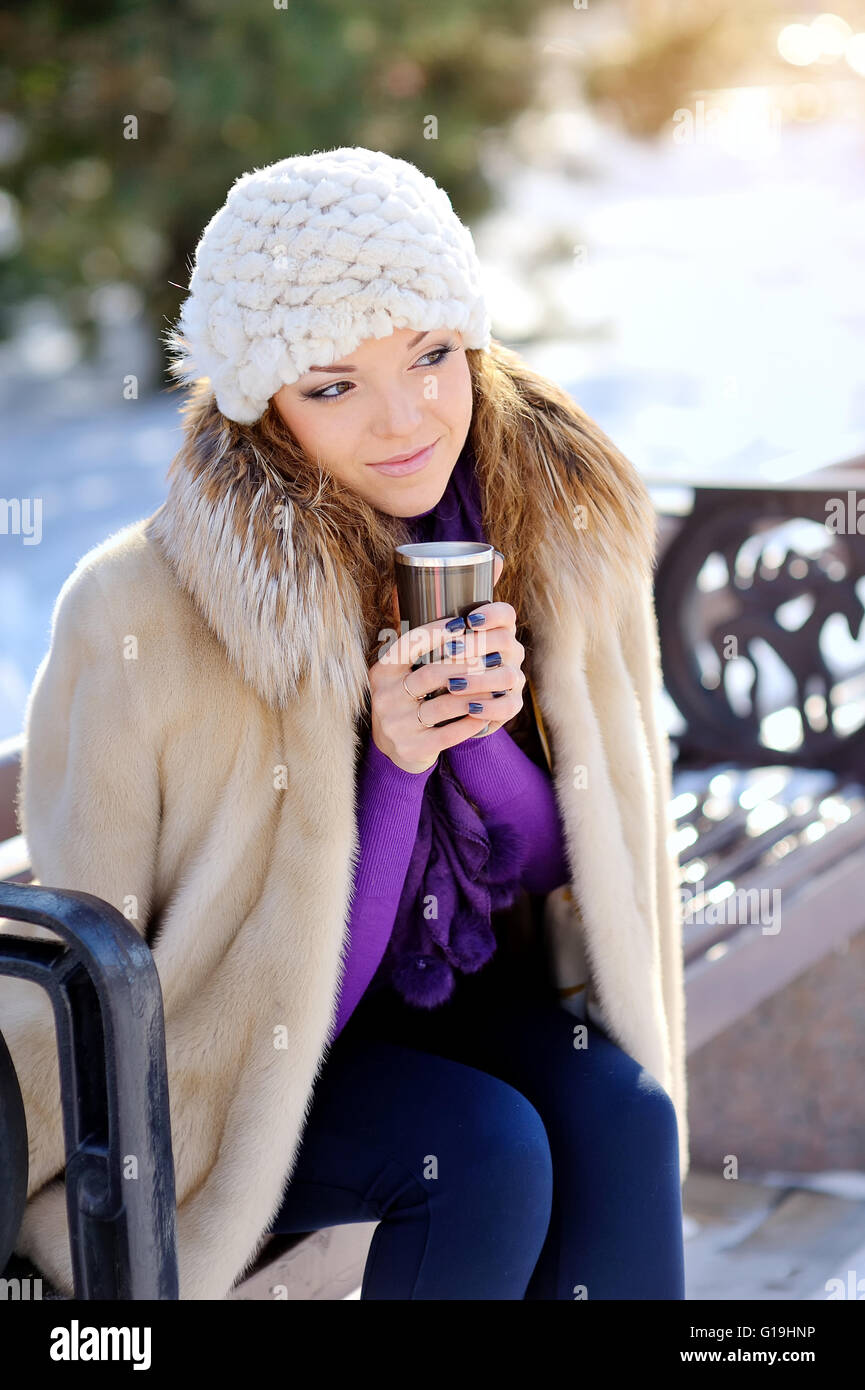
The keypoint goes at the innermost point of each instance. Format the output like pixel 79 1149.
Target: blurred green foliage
pixel 209 89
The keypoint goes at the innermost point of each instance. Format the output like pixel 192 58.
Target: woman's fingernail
pixel 475 707
pixel 453 647
pixel 456 625
pixel 477 618
pixel 497 694
pixel 457 683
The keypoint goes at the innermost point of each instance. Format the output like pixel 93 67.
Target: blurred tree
pixel 650 57
pixel 123 123
pixel 666 56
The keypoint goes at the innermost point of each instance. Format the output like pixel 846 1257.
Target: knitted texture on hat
pixel 310 256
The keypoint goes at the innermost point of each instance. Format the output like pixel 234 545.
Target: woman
pixel 228 742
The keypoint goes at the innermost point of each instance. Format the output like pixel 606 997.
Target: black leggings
pixel 499 1159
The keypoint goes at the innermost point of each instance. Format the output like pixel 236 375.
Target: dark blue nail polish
pixel 457 683
pixel 475 707
pixel 452 648
pixel 456 625
pixel 493 659
pixel 497 694
pixel 477 618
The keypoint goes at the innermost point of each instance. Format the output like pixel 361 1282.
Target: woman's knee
pixel 552 1056
pixel 633 1097
pixel 494 1144
pixel 512 1164
pixel 509 1130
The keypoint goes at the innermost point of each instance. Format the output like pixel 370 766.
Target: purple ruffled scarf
pixel 460 872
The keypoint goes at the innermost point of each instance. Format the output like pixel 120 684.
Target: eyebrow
pixel 335 367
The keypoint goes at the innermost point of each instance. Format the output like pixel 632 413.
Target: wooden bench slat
pixel 15 860
pixel 753 965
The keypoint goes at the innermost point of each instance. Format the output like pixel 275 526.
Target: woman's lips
pixel 412 465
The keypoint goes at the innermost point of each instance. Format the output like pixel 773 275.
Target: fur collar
pixel 264 578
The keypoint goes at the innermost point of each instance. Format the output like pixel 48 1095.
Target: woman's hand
pixel 395 728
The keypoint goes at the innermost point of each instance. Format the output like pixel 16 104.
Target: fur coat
pixel 191 743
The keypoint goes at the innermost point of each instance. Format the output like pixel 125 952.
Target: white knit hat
pixel 311 255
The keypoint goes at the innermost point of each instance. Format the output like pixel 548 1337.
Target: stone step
pixel 765 1240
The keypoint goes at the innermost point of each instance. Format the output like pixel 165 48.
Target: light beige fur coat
pixel 190 751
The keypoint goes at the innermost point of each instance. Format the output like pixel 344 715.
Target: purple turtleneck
pixel 510 791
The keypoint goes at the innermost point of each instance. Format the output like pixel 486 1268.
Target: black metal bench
pixel 107 1005
pixel 753 575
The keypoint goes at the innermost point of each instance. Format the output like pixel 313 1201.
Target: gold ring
pixel 419 720
pixel 406 689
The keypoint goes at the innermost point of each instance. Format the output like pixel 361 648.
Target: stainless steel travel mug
pixel 442 579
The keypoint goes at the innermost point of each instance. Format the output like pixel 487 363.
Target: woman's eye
pixel 321 396
pixel 439 353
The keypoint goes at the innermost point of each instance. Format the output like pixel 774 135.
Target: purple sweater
pixel 508 788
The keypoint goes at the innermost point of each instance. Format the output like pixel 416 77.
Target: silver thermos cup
pixel 442 579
